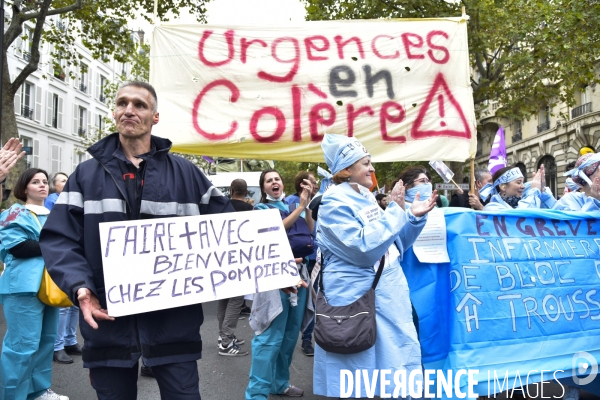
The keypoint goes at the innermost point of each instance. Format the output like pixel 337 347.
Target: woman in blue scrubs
pixel 28 345
pixel 276 315
pixel 353 234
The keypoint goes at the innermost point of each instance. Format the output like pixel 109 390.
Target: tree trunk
pixel 9 129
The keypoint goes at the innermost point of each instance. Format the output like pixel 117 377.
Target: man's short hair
pixel 143 85
pixel 238 187
pixel 480 173
pixel 380 196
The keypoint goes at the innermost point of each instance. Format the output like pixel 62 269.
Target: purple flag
pixel 206 158
pixel 498 152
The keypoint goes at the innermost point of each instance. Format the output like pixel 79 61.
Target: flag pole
pixel 472 191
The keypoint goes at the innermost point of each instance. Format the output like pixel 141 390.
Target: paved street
pixel 221 378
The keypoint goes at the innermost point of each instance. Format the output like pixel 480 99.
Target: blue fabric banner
pixel 519 296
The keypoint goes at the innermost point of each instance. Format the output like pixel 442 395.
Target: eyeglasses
pixel 422 180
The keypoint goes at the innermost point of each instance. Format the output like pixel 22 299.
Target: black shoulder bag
pixel 346 329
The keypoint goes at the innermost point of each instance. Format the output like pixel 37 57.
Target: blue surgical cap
pixel 342 151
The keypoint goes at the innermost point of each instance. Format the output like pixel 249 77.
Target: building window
pixel 518 132
pixel 550 168
pixel 54 110
pixel 544 119
pixel 33 159
pixel 28 101
pixel 80 118
pixel 27 97
pixel 101 83
pixel 56 158
pixel 83 78
pixel 100 122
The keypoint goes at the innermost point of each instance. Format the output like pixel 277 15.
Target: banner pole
pixel 472 191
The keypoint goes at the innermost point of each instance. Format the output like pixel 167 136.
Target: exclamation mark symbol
pixel 441 107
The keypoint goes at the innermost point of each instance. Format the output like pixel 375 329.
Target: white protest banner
pixel 402 87
pixel 170 262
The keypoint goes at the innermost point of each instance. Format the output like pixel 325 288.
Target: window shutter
pixel 97 87
pixel 75 118
pixel 19 47
pixel 18 101
pixel 59 116
pixel 36 154
pixel 49 108
pixel 89 123
pixel 89 81
pixel 38 104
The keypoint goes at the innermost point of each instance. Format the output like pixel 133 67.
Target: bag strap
pixel 375 281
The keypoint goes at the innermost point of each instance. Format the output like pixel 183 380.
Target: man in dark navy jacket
pixel 131 176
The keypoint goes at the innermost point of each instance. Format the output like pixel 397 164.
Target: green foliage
pixel 524 53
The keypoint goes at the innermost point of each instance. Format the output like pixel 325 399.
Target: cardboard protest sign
pixel 402 87
pixel 521 294
pixel 170 262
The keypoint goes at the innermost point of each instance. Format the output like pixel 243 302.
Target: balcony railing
pixel 61 26
pixel 543 127
pixel 582 109
pixel 81 132
pixel 517 137
pixel 102 98
pixel 27 112
pixel 83 88
pixel 27 56
pixel 54 122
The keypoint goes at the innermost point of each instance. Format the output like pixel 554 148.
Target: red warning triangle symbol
pixel 440 115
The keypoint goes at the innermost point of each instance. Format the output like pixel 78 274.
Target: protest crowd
pixel 346 235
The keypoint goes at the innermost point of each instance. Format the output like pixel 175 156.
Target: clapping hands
pixel 420 208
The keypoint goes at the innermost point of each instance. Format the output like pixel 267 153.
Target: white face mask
pixel 271 198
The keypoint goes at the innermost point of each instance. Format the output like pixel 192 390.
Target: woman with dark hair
pixel 354 235
pixel 276 315
pixel 508 190
pixel 28 345
pixel 417 179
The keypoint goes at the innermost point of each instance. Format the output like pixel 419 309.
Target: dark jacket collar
pixel 104 149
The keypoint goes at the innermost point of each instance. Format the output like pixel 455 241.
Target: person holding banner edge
pixel 353 234
pixel 277 314
pixel 131 176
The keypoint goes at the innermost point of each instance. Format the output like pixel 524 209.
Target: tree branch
pixel 73 7
pixel 32 65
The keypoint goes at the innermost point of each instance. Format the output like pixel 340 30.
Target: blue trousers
pixel 67 328
pixel 272 350
pixel 28 346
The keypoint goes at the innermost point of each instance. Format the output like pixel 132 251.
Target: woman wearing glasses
pixel 416 180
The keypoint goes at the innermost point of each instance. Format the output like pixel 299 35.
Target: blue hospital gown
pixel 353 233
